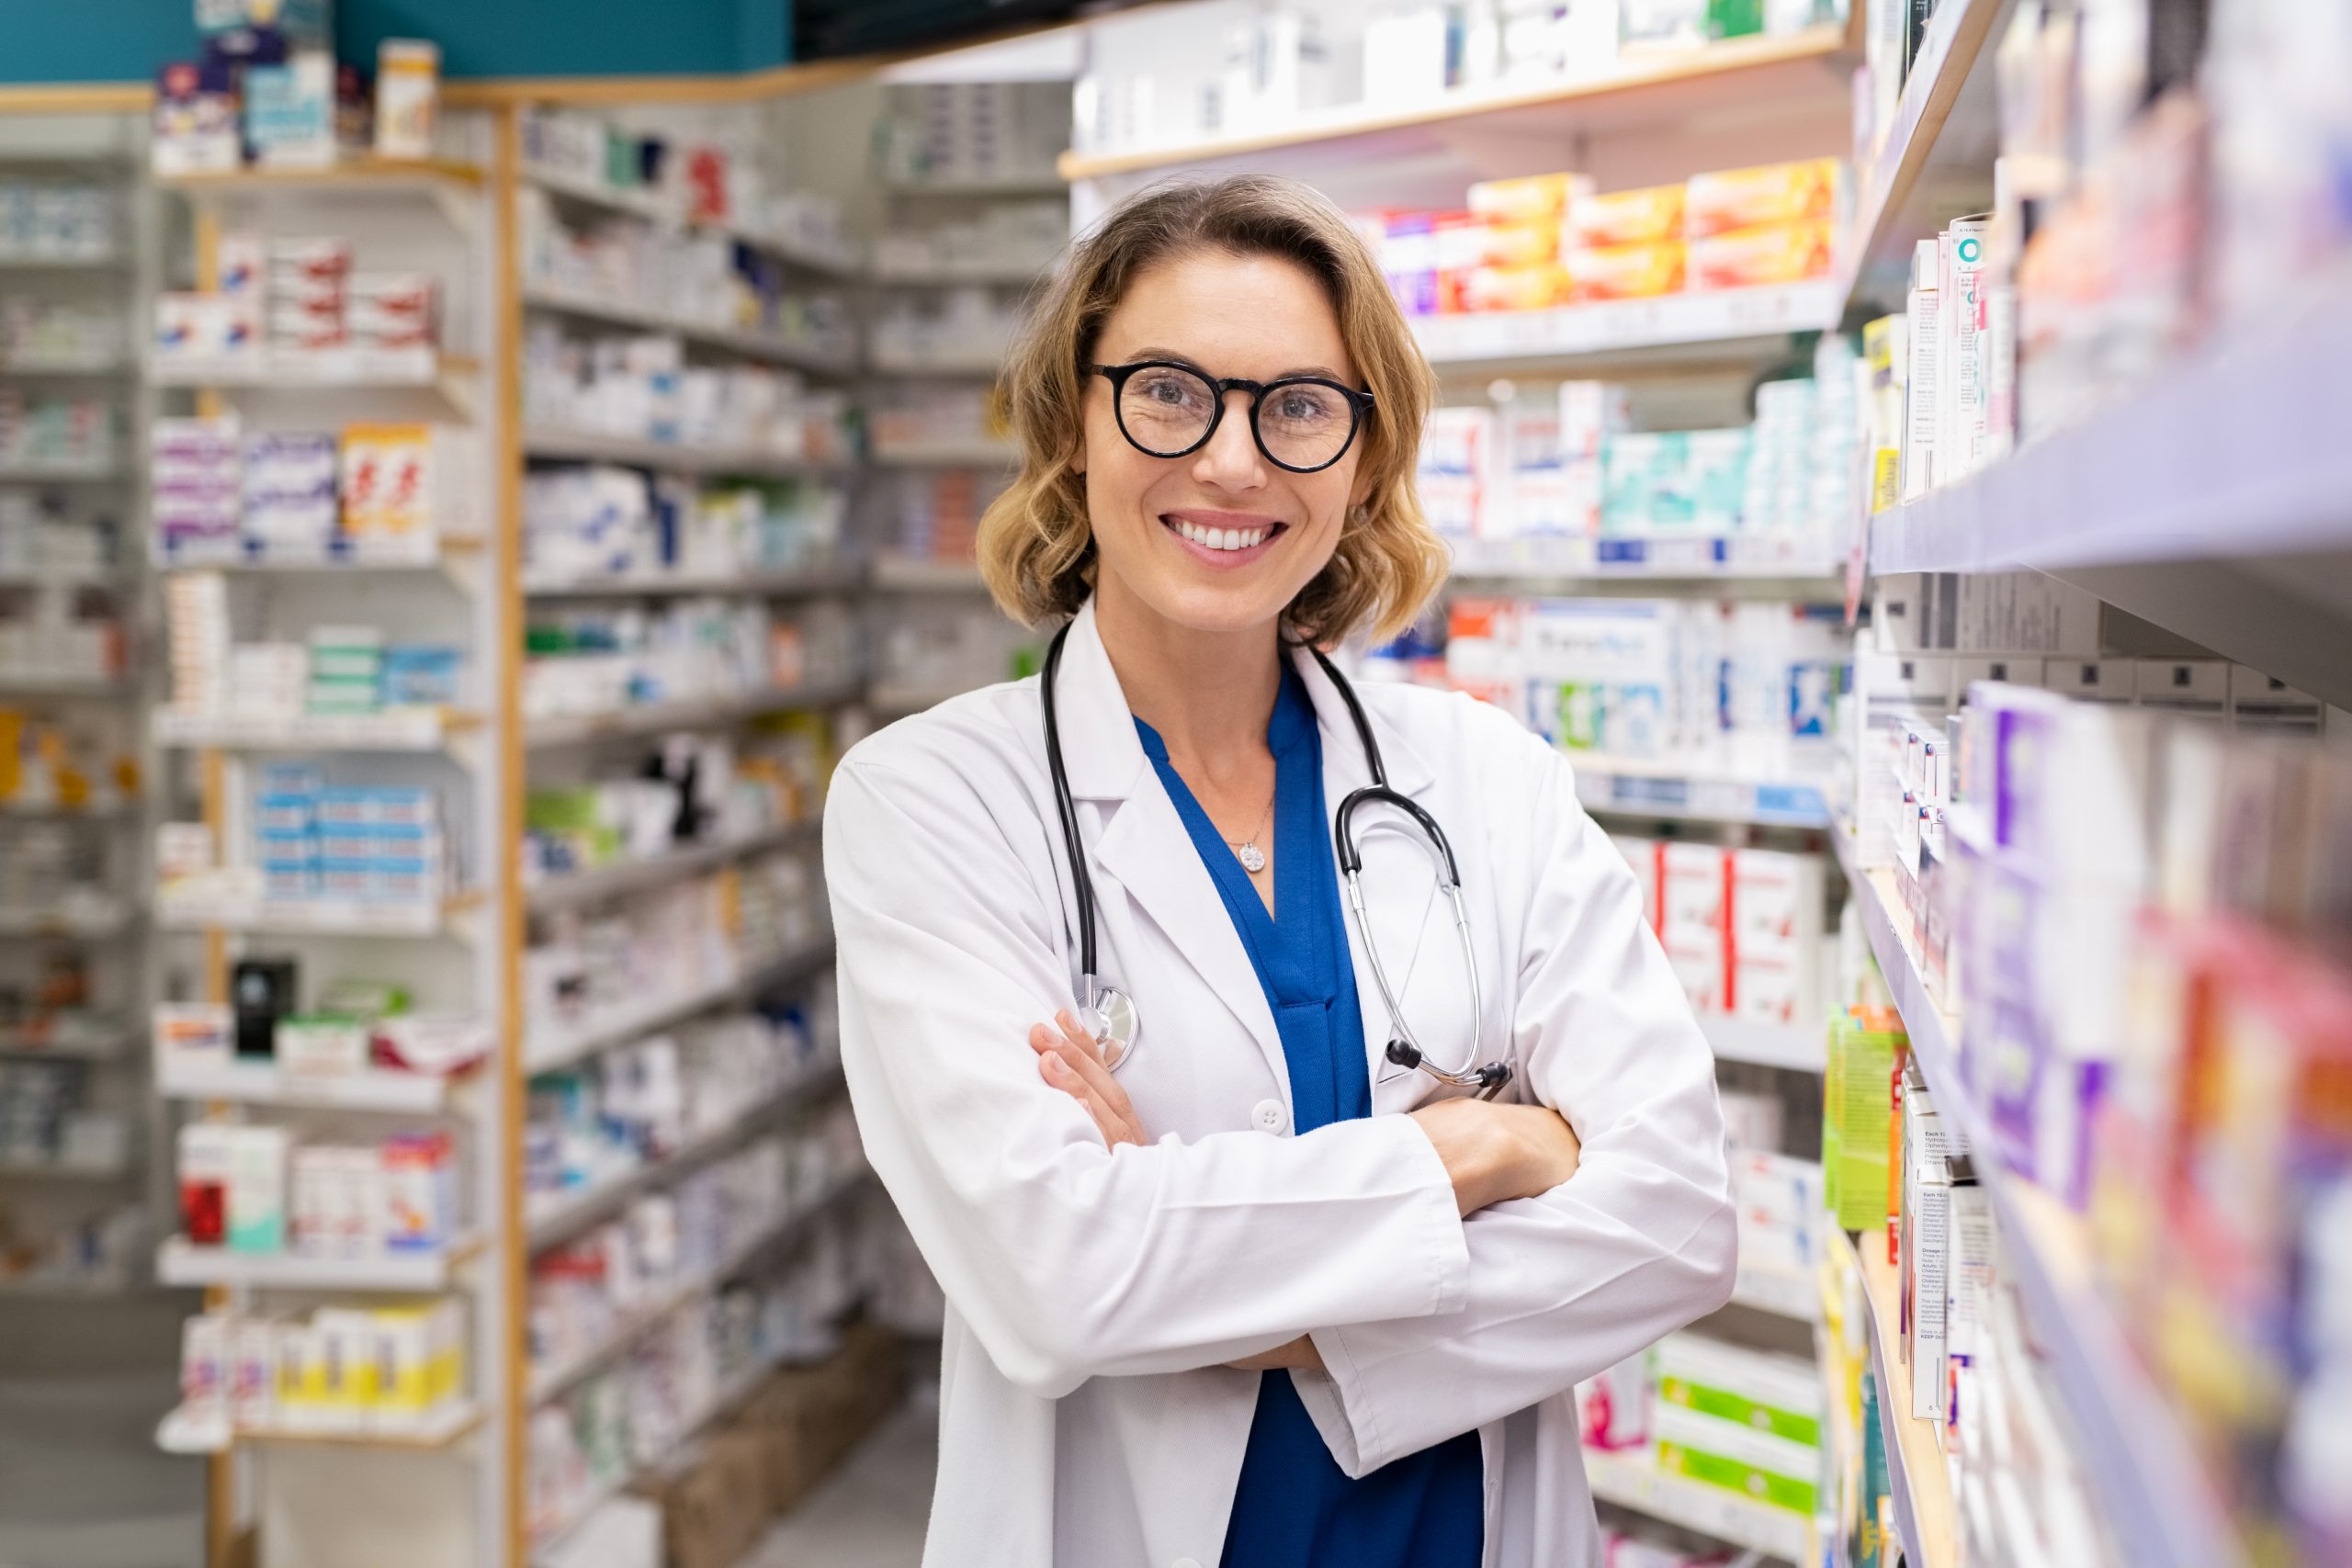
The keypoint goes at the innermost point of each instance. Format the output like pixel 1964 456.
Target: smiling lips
pixel 1223 540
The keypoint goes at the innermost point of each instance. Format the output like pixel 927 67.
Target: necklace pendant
pixel 1253 858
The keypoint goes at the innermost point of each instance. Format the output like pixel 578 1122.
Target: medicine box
pixel 1779 1396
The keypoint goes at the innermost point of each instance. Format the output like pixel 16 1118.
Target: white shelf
pixel 1646 87
pixel 87 923
pixel 1528 339
pixel 403 730
pixel 556 445
pixel 1046 182
pixel 551 1382
pixel 253 1084
pixel 1885 223
pixel 1632 1480
pixel 103 1045
pixel 749 979
pixel 906 574
pixel 958 275
pixel 1704 559
pixel 648 205
pixel 61 577
pixel 2150 1488
pixel 179 1263
pixel 945 366
pixel 749 582
pixel 184 1432
pixel 426 175
pixel 13 261
pixel 357 368
pixel 980 454
pixel 421 552
pixel 2236 454
pixel 1633 787
pixel 15 1169
pixel 699 713
pixel 108 810
pixel 29 684
pixel 62 473
pixel 575 889
pixel 1803 1047
pixel 753 344
pixel 558 1217
pixel 202 910
pixel 63 368
pixel 2194 503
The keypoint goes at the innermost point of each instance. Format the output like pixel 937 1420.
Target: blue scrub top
pixel 1295 1507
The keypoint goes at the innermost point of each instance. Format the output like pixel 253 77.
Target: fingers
pixel 1116 1123
pixel 1078 1049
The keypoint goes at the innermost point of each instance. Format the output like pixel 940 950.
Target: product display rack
pixel 435 218
pixel 108 933
pixel 559 749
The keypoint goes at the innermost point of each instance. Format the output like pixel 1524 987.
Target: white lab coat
pixel 1086 1418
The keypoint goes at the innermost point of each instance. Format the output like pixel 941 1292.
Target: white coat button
pixel 1267 1116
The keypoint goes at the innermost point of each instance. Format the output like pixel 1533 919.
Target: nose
pixel 1231 460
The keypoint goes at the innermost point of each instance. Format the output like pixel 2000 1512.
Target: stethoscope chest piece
pixel 1113 1023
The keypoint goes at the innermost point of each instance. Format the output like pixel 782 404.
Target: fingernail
pixel 1054 1066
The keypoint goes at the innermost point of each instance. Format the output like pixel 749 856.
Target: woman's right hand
pixel 1495 1152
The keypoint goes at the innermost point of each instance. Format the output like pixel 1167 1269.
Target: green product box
pixel 1858 1108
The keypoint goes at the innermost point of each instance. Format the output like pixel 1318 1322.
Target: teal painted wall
pixel 121 40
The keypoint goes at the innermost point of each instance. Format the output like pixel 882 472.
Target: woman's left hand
pixel 1072 1062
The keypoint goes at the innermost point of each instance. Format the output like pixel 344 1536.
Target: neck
pixel 1209 695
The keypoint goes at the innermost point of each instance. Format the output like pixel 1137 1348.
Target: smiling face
pixel 1221 539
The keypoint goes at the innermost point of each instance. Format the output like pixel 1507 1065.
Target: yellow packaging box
pixel 1625 272
pixel 1769 193
pixel 1529 197
pixel 1624 218
pixel 1771 252
pixel 1537 288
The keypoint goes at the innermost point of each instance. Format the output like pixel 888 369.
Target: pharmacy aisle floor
pixel 81 1482
pixel 872 1514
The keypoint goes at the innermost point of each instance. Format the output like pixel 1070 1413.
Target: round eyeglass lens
pixel 1304 424
pixel 1166 410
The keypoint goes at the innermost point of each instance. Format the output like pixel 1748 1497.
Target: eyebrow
pixel 1140 354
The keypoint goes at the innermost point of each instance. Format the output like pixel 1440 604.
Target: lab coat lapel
pixel 1143 850
pixel 1400 883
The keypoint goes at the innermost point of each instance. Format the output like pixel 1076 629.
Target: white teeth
pixel 1223 539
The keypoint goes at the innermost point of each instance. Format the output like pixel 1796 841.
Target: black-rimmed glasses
pixel 1301 422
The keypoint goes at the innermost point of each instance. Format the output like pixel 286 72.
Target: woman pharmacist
pixel 1287 1287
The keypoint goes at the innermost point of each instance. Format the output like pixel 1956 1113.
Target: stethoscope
pixel 1109 1013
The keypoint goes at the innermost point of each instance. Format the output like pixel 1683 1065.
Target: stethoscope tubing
pixel 1103 1002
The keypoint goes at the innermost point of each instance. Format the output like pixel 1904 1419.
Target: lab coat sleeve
pixel 1638 1243
pixel 1070 1259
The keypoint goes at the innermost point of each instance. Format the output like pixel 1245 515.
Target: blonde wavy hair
pixel 1036 543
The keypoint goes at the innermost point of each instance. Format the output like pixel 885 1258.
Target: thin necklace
pixel 1253 858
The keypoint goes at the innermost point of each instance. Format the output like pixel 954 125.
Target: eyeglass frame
pixel 1360 404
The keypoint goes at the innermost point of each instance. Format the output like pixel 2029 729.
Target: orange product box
pixel 1624 218
pixel 1511 242
pixel 1770 253
pixel 1536 288
pixel 1529 198
pixel 1625 272
pixel 1770 193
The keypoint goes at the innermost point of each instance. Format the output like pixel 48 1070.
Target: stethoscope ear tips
pixel 1404 1055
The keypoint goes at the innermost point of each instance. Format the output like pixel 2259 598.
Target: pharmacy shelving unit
pixel 2208 501
pixel 562 748
pixel 930 620
pixel 454 956
pixel 107 934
